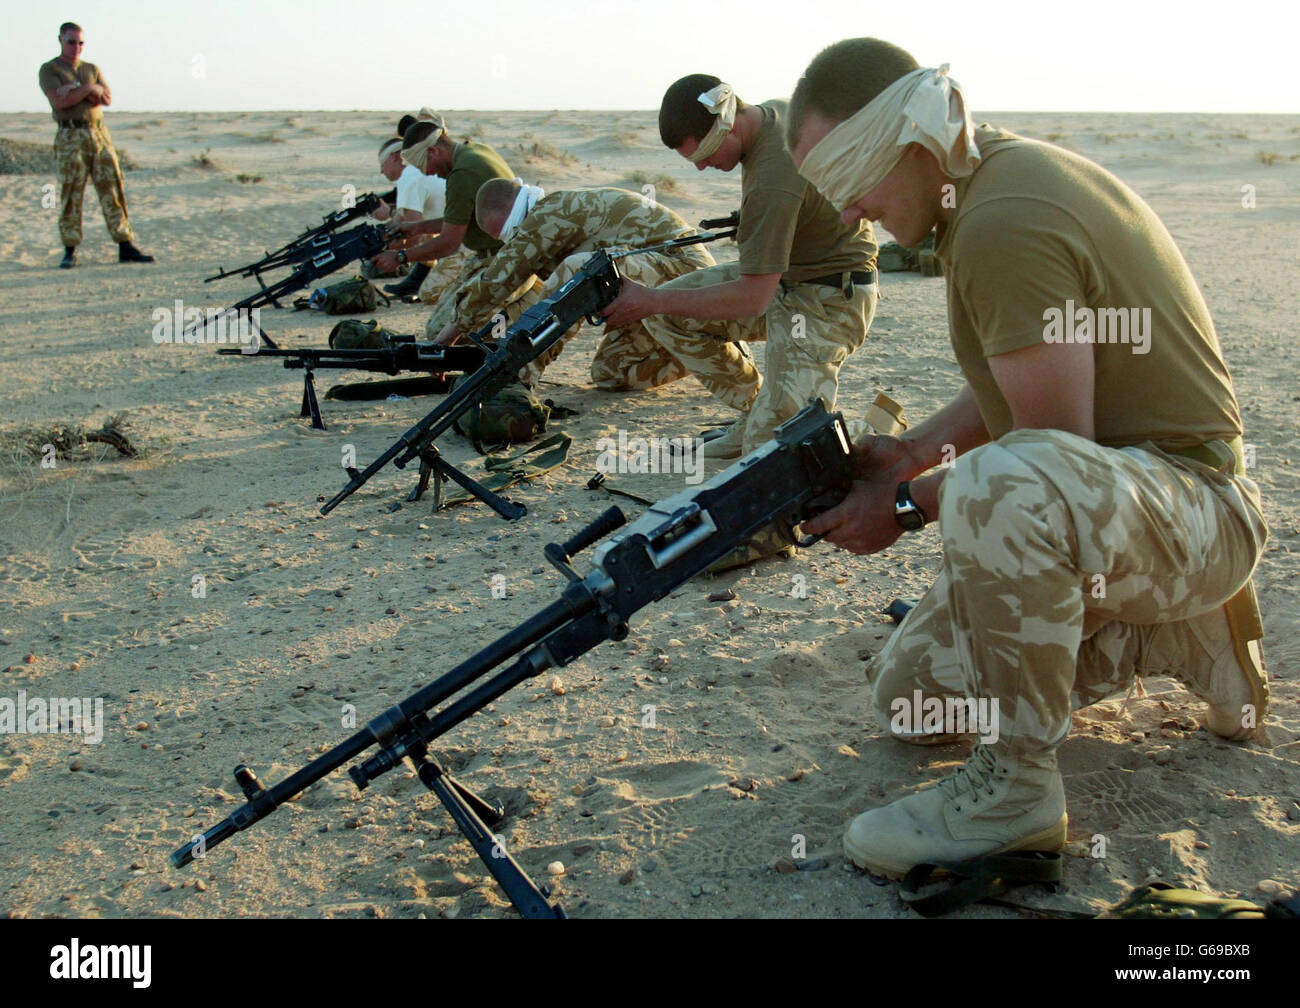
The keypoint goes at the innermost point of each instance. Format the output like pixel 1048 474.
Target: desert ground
pixel 196 590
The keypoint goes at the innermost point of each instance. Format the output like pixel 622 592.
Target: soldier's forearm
pixel 69 98
pixel 954 430
pixel 428 251
pixel 736 299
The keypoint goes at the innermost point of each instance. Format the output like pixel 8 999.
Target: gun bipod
pixel 434 466
pixel 465 807
pixel 310 406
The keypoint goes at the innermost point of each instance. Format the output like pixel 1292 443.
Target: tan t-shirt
pixel 471 166
pixel 786 225
pixel 56 73
pixel 1047 246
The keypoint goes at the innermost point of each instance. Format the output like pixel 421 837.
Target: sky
pixel 1099 55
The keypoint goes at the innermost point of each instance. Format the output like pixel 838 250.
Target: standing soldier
pixel 77 91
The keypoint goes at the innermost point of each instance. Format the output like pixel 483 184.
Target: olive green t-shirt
pixel 1046 246
pixel 786 225
pixel 471 166
pixel 56 73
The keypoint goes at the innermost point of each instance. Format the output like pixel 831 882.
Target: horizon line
pixel 651 112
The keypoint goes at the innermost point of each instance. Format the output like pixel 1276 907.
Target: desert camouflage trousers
pixel 810 330
pixel 88 154
pixel 625 358
pixel 628 358
pixel 1068 568
pixel 444 310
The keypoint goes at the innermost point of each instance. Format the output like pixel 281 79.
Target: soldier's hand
pixel 449 335
pixel 885 457
pixel 861 523
pixel 385 262
pixel 633 303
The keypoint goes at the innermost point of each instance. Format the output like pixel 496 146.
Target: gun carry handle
pixel 561 555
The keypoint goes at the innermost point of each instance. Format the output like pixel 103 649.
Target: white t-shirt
pixel 425 194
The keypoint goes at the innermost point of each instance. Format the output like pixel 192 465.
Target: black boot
pixel 127 252
pixel 411 285
pixel 69 257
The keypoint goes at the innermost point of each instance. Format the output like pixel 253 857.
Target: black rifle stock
pixel 593 287
pixel 807 467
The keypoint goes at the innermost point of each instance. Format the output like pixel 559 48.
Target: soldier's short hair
pixel 404 124
pixel 495 198
pixel 681 116
pixel 68 26
pixel 385 143
pixel 842 78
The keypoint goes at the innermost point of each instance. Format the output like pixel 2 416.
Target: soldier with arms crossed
pixel 77 92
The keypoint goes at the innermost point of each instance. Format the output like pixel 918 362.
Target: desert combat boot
pixel 993 804
pixel 1219 658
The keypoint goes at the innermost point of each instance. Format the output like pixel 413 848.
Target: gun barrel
pixel 360 479
pixel 264 802
pixel 198 847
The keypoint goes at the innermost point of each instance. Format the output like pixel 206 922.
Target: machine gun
pixel 807 467
pixel 593 287
pixel 308 262
pixel 285 254
pixel 402 354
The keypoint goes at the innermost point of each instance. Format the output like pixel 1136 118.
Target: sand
pixel 762 745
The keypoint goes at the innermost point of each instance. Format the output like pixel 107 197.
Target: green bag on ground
pixel 512 416
pixel 353 334
pixel 350 297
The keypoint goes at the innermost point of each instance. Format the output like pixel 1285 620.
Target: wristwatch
pixel 401 257
pixel 907 512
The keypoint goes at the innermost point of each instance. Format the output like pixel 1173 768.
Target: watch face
pixel 910 519
pixel 906 513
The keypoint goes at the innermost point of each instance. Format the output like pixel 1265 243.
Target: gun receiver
pixel 309 262
pixel 808 466
pixel 284 255
pixel 592 288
